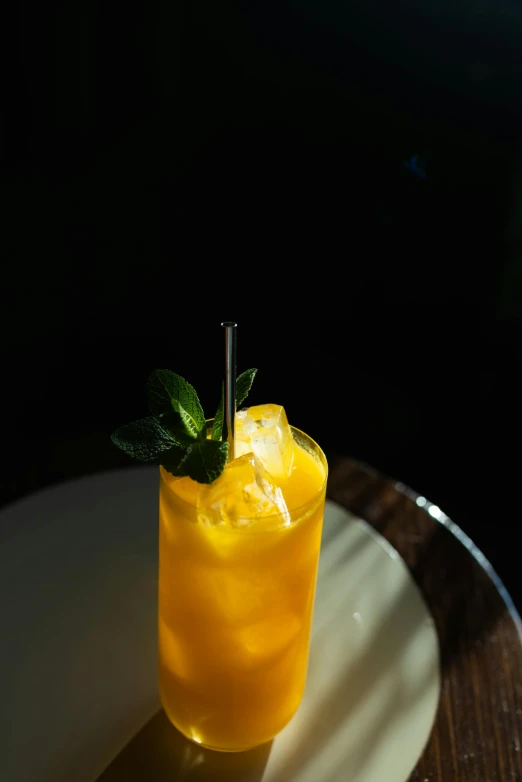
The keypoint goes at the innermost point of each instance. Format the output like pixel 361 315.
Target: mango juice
pixel 236 601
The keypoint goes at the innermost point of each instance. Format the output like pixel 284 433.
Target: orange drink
pixel 237 573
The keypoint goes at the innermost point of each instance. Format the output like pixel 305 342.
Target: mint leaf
pixel 204 461
pixel 217 426
pixel 243 385
pixel 162 385
pixel 170 392
pixel 190 419
pixel 148 441
pixel 173 460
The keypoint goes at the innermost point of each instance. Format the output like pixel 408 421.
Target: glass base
pixel 222 749
pixel 225 750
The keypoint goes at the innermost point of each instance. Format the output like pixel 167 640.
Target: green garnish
pixel 175 435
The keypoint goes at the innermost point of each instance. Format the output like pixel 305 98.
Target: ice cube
pixel 243 492
pixel 264 430
pixel 267 639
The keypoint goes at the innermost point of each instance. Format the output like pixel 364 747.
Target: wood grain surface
pixel 478 730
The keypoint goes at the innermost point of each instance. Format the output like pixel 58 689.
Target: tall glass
pixel 235 611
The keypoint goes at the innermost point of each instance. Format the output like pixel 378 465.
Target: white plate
pixel 78 577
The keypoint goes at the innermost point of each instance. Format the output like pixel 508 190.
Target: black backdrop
pixel 343 183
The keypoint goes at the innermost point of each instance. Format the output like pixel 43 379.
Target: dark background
pixel 170 166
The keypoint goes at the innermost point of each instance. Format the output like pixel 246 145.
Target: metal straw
pixel 230 383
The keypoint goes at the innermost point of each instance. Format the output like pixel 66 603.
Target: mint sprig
pixel 175 435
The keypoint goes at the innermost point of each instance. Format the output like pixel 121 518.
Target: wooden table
pixel 478 730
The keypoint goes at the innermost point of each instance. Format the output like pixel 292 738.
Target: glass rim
pixel 298 510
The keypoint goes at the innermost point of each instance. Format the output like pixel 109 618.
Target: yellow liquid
pixel 235 611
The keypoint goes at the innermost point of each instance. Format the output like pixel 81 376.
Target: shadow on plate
pixel 159 753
